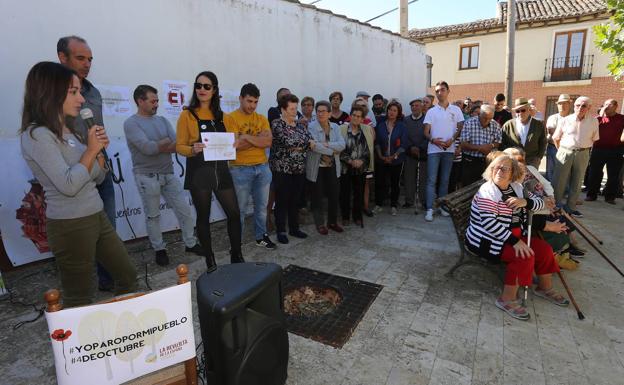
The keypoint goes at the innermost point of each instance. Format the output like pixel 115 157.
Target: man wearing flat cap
pixel 563 106
pixel 525 132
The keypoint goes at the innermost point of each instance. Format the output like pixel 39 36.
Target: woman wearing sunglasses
pixel 203 178
pixel 69 166
pixel 498 231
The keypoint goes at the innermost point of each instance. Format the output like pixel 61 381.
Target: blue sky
pixel 422 13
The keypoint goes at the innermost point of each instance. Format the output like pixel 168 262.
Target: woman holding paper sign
pixel 69 166
pixel 203 178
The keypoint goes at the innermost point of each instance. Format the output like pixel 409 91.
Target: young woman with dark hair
pixel 68 167
pixel 203 178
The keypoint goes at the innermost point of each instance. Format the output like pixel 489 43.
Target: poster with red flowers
pixel 116 342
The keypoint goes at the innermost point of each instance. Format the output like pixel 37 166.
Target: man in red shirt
pixel 608 150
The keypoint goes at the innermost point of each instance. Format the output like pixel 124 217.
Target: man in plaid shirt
pixel 481 135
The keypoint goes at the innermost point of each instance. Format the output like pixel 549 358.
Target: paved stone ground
pixel 423 328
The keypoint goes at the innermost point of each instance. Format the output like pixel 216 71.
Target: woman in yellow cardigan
pixel 203 178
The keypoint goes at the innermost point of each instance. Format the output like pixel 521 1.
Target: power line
pixel 387 12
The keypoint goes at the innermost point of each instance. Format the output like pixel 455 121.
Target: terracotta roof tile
pixel 527 11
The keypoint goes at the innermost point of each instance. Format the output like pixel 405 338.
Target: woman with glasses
pixel 203 178
pixel 68 167
pixel 291 141
pixel 356 159
pixel 323 168
pixel 498 231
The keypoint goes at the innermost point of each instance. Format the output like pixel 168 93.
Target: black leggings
pixel 202 199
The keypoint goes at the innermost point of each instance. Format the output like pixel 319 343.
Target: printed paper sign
pixel 117 342
pixel 116 100
pixel 219 145
pixel 174 96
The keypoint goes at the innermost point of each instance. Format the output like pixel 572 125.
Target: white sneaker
pixel 393 211
pixel 444 212
pixel 377 209
pixel 429 215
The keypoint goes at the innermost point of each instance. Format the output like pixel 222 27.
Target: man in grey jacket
pixel 151 141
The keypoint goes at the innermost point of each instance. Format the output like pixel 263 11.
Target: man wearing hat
pixel 525 132
pixel 365 95
pixel 563 106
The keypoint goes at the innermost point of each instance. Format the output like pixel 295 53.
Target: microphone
pixel 87 115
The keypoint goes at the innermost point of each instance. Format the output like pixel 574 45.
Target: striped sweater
pixel 491 218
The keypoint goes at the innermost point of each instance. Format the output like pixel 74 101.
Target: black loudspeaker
pixel 242 324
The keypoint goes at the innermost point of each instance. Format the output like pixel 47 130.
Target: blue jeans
pixel 253 181
pixel 441 162
pixel 551 158
pixel 107 194
pixel 151 187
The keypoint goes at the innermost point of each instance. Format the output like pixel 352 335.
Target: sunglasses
pixel 207 87
pixel 521 110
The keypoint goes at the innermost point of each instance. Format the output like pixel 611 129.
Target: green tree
pixel 610 38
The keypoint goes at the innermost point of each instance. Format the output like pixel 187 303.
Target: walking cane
pixel 526 288
pixel 579 224
pixel 594 246
pixel 580 314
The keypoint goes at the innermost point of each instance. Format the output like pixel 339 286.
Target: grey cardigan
pixel 335 146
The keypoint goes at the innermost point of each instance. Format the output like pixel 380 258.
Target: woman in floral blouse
pixel 291 141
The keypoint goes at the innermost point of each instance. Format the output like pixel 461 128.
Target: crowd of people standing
pixel 322 158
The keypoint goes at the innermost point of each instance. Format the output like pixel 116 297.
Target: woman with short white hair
pixel 498 231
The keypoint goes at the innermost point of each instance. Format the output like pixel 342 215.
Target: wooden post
pixel 190 368
pixel 509 55
pixel 403 18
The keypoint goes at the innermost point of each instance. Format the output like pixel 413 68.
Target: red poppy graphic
pixel 61 335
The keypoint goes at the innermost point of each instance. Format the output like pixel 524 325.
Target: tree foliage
pixel 610 38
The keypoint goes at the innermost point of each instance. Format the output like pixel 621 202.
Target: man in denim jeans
pixel 151 141
pixel 250 171
pixel 443 124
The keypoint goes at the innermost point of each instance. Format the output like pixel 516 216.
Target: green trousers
pixel 76 245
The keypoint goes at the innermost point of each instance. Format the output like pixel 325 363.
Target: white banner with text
pixel 119 341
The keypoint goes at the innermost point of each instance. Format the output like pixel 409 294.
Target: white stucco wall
pixel 272 43
pixel 533 47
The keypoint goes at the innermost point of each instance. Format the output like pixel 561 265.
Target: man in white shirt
pixel 443 124
pixel 574 138
pixel 563 105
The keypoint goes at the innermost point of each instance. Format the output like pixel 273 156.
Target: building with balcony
pixel 554 53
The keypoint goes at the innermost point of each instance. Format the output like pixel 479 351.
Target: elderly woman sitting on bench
pixel 498 229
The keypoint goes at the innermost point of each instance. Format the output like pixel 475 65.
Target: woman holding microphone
pixel 69 167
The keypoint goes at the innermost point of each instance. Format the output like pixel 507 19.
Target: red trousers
pixel 519 270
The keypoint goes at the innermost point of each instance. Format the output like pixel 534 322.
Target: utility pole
pixel 509 56
pixel 403 17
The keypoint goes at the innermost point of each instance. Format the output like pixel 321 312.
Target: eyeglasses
pixel 206 86
pixel 504 169
pixel 521 110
